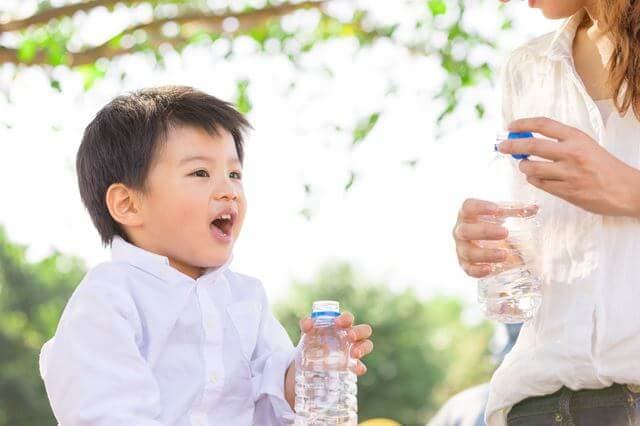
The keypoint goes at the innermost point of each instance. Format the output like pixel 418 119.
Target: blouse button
pixel 213 378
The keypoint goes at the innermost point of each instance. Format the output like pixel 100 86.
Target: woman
pixel 578 361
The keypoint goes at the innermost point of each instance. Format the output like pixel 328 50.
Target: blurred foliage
pixel 52 36
pixel 424 352
pixel 32 296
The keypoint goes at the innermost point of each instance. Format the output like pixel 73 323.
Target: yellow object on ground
pixel 380 422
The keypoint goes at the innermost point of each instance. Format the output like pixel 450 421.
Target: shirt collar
pixel 561 45
pixel 158 265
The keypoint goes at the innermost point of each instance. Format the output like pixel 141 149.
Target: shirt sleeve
pixel 508 92
pixel 271 358
pixel 92 369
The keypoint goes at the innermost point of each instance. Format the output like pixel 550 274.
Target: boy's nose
pixel 226 192
pixel 229 195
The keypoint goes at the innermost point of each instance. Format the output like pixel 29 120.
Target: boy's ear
pixel 123 205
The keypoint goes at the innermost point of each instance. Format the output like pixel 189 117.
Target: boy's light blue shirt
pixel 140 343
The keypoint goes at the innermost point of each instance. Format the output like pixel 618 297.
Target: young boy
pixel 165 333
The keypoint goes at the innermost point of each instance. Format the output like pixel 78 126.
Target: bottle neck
pixel 324 320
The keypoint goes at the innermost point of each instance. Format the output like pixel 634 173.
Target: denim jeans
pixel 617 405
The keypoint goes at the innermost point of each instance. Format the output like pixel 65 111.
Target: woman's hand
pixel 576 169
pixel 470 229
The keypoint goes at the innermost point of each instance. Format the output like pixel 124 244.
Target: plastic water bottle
pixel 512 292
pixel 325 382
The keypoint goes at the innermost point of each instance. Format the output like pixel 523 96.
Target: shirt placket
pixel 212 353
pixel 594 113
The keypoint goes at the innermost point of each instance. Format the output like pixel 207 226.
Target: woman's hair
pixel 621 20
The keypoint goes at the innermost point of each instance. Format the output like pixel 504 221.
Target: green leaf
pixel 91 73
pixel 242 98
pixel 55 85
pixel 364 127
pixel 507 25
pixel 27 50
pixel 437 7
pixel 350 182
pixel 306 213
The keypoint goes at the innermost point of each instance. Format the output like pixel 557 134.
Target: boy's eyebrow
pixel 233 160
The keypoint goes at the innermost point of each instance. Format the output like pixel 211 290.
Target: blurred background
pixel 371 120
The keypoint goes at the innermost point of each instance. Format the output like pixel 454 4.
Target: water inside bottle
pixel 325 380
pixel 512 292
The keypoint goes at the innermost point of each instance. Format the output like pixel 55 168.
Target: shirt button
pixel 213 378
pixel 198 420
pixel 211 324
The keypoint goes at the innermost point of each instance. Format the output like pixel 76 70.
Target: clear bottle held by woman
pixel 511 293
pixel 325 380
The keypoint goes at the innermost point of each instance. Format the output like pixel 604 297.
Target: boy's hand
pixel 358 335
pixel 361 346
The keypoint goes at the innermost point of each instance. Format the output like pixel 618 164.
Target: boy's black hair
pixel 119 145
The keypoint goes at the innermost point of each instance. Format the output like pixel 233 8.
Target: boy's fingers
pixel 345 320
pixel 362 349
pixel 360 369
pixel 306 325
pixel 360 332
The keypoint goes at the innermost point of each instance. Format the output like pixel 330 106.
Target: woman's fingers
pixel 543 170
pixel 541 148
pixel 479 231
pixel 471 253
pixel 473 208
pixel 476 271
pixel 479 223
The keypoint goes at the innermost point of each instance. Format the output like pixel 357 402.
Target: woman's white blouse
pixel 142 344
pixel 587 332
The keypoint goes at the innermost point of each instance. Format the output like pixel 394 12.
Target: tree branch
pixel 56 12
pixel 213 22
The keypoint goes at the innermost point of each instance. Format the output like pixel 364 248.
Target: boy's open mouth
pixel 224 222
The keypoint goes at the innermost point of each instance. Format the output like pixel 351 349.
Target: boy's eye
pixel 235 175
pixel 200 173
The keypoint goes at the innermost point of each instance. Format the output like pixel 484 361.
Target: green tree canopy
pixel 52 35
pixel 32 296
pixel 424 351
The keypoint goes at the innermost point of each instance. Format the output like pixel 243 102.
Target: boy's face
pixel 194 204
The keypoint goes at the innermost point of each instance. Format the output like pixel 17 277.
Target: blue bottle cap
pixel 517 135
